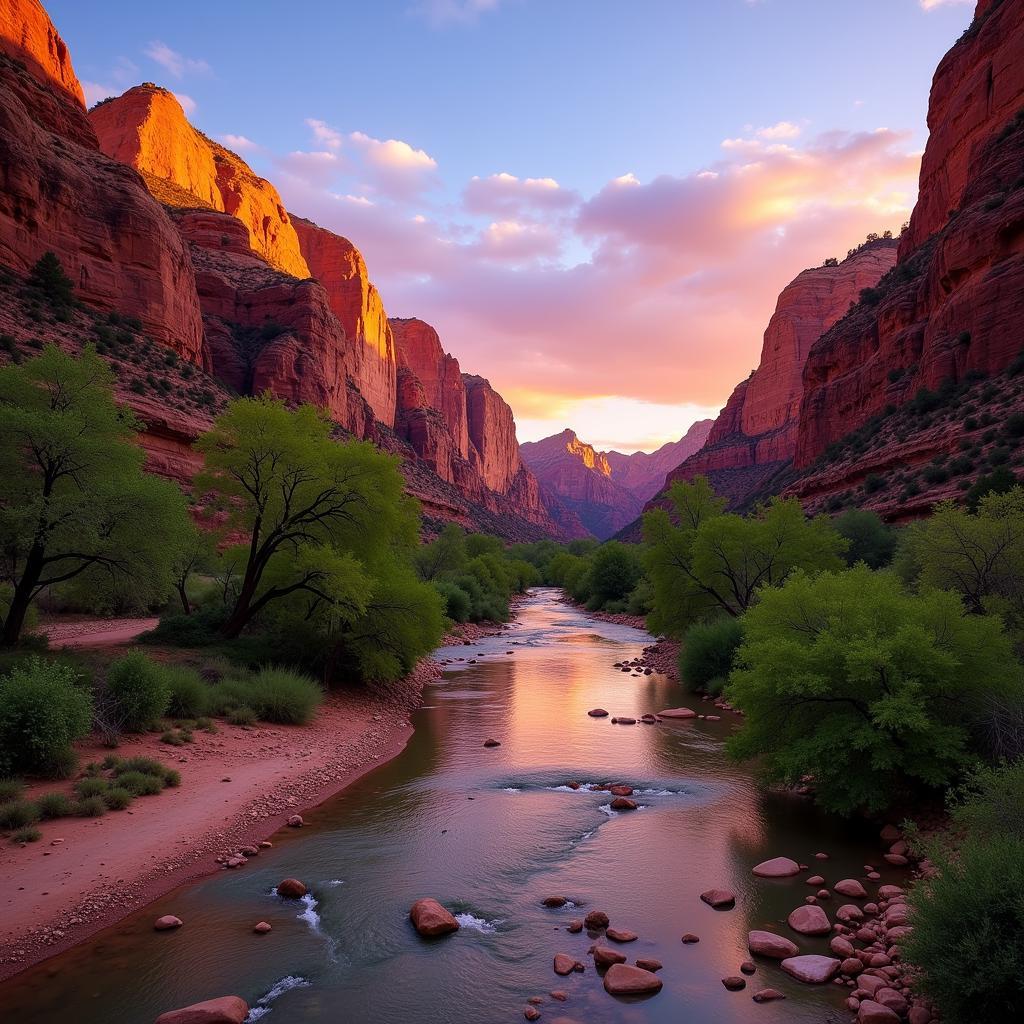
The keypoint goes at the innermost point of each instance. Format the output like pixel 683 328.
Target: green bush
pixel 458 605
pixel 53 805
pixel 871 541
pixel 27 834
pixel 200 629
pixel 707 654
pixel 139 783
pixel 11 789
pixel 288 698
pixel 16 813
pixel 968 922
pixel 138 690
pixel 173 738
pixel 42 712
pixel 117 798
pixel 190 696
pixel 241 715
pixel 991 802
pixel 94 786
pixel 91 807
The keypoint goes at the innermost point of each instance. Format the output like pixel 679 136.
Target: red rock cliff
pixel 978 87
pixel 954 303
pixel 757 429
pixel 28 35
pixel 418 348
pixel 644 473
pixel 147 129
pixel 339 266
pixel 61 193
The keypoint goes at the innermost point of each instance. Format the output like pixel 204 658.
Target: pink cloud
pixel 505 194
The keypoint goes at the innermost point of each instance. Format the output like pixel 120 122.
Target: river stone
pixel 850 887
pixel 531 1013
pixel 262 928
pixel 166 923
pixel 767 995
pixel 575 926
pixel 605 957
pixel 850 913
pixel 871 1012
pixel 564 964
pixel 621 790
pixel 431 919
pixel 771 945
pixel 720 899
pixel 621 935
pixel 648 963
pixel 623 803
pixel 624 980
pixel 777 867
pixel 689 938
pixel 598 713
pixel 491 742
pixel 811 968
pixel 225 1010
pixel 842 947
pixel 810 920
pixel 291 889
pixel 596 919
pixel 734 983
pixel 677 713
pixel 554 901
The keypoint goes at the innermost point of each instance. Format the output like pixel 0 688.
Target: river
pixel 491 832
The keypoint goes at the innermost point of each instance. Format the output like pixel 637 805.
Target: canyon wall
pixel 644 473
pixel 756 431
pixel 28 35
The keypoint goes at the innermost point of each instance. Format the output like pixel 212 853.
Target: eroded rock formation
pixel 28 35
pixel 644 473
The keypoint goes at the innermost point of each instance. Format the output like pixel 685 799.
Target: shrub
pixel 117 798
pixel 139 691
pixel 871 541
pixel 189 695
pixel 91 807
pixel 146 765
pixel 11 789
pixel 139 783
pixel 196 630
pixel 42 712
pixel 241 715
pixel 707 653
pixel 91 787
pixel 172 778
pixel 968 921
pixel 16 813
pixel 27 834
pixel 457 602
pixel 53 805
pixel 288 698
pixel 172 738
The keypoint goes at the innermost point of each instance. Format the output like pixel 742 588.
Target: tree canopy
pixel 73 497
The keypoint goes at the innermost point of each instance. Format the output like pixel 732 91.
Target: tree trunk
pixel 184 599
pixel 21 601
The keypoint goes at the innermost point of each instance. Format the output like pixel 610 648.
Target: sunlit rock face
pixel 757 429
pixel 339 266
pixel 978 87
pixel 955 302
pixel 146 128
pixel 61 194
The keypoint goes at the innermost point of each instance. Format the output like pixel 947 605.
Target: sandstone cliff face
pixel 418 348
pixel 757 429
pixel 147 129
pixel 339 266
pixel 644 473
pixel 60 193
pixel 978 87
pixel 28 35
pixel 575 477
pixel 492 433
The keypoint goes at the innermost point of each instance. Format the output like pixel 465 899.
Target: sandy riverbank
pixel 238 787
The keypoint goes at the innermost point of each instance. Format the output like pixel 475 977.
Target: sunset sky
pixel 594 202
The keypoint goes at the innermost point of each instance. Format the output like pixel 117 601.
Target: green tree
pixel 615 569
pixel 316 514
pixel 871 540
pixel 73 497
pixel 48 276
pixel 444 555
pixel 705 562
pixel 979 556
pixel 849 679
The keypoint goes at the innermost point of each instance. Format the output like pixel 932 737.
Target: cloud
pixel 324 133
pixel 393 167
pixel 931 5
pixel 506 194
pixel 318 168
pixel 175 63
pixel 239 143
pixel 443 12
pixel 123 73
pixel 779 130
pixel 187 103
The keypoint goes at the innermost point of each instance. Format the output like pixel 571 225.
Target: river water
pixel 491 832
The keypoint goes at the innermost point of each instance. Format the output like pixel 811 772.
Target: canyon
pixel 224 291
pixel 592 493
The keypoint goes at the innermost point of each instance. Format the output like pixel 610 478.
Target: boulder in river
pixel 625 980
pixel 262 928
pixel 767 995
pixel 850 887
pixel 295 821
pixel 777 867
pixel 491 742
pixel 431 919
pixel 768 944
pixel 166 923
pixel 689 938
pixel 677 713
pixel 810 920
pixel 291 889
pixel 598 713
pixel 734 983
pixel 564 964
pixel 553 901
pixel 621 935
pixel 720 899
pixel 648 963
pixel 623 803
pixel 871 1012
pixel 811 968
pixel 225 1010
pixel 596 919
pixel 605 957
pixel 575 926
pixel 621 790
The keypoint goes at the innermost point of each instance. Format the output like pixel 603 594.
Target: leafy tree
pixel 999 481
pixel 615 569
pixel 871 540
pixel 73 497
pixel 849 679
pixel 445 554
pixel 979 556
pixel 708 562
pixel 48 276
pixel 708 652
pixel 196 551
pixel 316 514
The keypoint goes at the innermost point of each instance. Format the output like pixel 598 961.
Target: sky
pixel 596 203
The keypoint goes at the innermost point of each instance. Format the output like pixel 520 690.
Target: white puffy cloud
pixel 324 133
pixel 175 63
pixel 506 194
